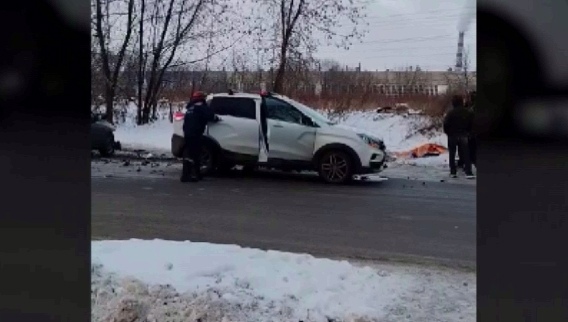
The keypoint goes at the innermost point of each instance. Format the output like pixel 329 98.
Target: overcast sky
pixel 401 33
pixel 410 32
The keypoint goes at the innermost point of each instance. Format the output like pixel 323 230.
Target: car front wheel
pixel 108 149
pixel 335 167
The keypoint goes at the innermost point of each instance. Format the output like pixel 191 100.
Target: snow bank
pixel 184 281
pixel 399 132
pixel 155 137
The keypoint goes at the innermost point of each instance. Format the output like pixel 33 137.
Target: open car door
pixel 264 147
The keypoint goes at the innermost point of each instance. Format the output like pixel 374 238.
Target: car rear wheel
pixel 249 169
pixel 225 167
pixel 207 160
pixel 108 149
pixel 335 167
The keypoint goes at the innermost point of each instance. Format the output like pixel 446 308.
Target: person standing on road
pixel 458 124
pixel 197 115
pixel 472 138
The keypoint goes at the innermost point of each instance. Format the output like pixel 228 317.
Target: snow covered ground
pixel 155 137
pixel 156 280
pixel 398 131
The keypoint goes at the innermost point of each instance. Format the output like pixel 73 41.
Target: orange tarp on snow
pixel 424 150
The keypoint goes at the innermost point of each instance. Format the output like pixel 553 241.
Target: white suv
pixel 277 132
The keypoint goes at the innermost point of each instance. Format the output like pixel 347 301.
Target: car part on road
pixel 336 166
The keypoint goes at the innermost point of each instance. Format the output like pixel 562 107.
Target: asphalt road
pixel 398 219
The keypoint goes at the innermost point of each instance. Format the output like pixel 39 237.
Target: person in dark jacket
pixel 458 124
pixel 197 115
pixel 472 147
pixel 472 138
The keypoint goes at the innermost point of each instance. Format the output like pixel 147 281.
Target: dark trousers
pixel 472 146
pixel 473 150
pixel 459 144
pixel 192 158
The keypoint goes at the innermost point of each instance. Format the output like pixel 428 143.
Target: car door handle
pixel 277 125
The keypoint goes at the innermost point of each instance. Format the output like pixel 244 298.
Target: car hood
pixel 107 124
pixel 357 131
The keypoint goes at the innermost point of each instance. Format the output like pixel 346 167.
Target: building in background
pixel 387 82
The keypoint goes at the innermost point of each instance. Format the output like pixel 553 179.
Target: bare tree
pixel 164 44
pixel 142 59
pixel 343 88
pixel 299 24
pixel 409 79
pixel 111 63
pixel 172 31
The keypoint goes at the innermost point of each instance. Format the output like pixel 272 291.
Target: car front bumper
pixel 376 163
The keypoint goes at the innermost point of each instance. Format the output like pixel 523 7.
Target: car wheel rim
pixel 335 168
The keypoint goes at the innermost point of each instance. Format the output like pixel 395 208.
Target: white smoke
pixel 468 14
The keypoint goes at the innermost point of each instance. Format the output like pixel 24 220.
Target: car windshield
pixel 317 117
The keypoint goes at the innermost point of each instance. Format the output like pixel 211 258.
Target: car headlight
pixel 374 143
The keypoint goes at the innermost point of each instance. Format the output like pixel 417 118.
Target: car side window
pixel 282 111
pixel 241 107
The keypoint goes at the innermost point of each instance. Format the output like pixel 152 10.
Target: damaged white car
pixel 274 131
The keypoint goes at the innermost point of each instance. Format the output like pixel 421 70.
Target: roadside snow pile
pixel 399 132
pixel 154 137
pixel 156 280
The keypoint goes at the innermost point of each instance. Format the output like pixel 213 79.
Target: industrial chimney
pixel 459 54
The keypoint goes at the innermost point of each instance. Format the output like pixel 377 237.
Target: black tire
pixel 108 149
pixel 225 167
pixel 208 160
pixel 336 167
pixel 249 169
